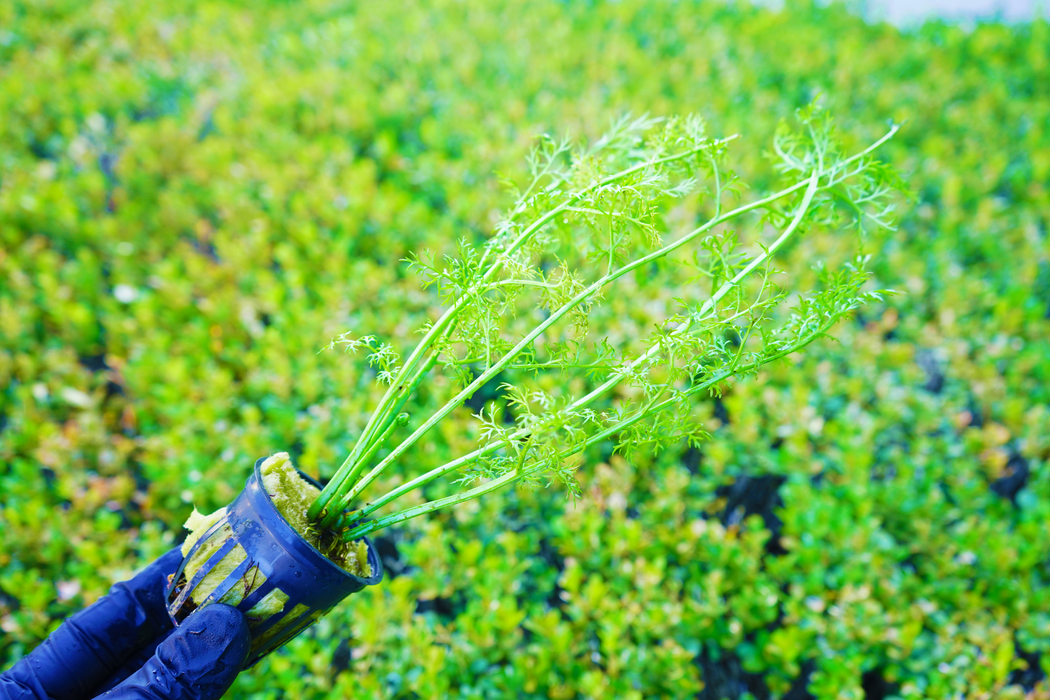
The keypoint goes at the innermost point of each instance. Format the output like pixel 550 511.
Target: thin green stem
pixel 380 422
pixel 390 424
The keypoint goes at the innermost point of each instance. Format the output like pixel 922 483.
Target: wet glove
pixel 124 647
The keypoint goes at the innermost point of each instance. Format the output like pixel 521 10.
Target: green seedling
pixel 590 220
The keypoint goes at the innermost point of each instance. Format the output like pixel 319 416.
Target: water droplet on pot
pixel 298 574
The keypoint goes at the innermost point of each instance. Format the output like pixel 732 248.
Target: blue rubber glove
pixel 123 647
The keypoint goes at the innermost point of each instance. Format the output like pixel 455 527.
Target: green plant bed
pixel 194 197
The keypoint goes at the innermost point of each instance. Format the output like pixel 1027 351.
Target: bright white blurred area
pixel 910 12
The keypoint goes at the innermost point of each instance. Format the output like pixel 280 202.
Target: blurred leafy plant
pixel 192 196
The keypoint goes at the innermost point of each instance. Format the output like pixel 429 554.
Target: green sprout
pixel 592 217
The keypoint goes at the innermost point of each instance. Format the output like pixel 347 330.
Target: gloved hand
pixel 124 647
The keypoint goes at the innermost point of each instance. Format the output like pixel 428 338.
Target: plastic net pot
pixel 265 569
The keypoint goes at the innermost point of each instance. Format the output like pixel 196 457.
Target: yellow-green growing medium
pixel 292 496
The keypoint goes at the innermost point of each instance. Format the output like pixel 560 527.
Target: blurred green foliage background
pixel 195 196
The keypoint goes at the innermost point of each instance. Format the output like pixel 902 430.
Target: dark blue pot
pixel 277 560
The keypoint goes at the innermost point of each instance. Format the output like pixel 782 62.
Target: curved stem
pixel 709 305
pixel 728 286
pixel 618 377
pixel 321 507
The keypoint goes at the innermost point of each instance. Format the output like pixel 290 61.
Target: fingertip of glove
pixel 208 650
pixel 220 622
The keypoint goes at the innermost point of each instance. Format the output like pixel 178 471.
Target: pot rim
pixel 374 562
